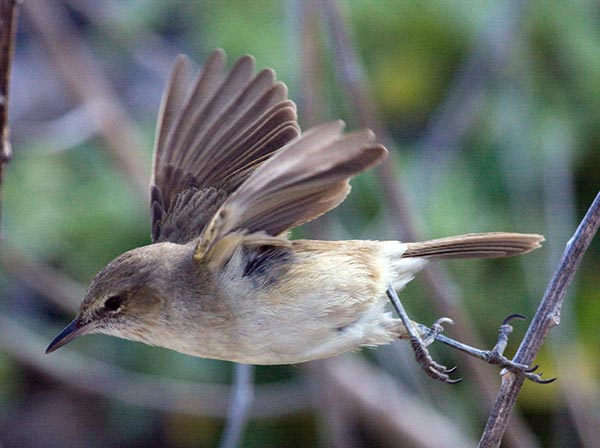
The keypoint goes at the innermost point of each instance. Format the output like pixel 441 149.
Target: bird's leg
pixel 419 346
pixel 440 372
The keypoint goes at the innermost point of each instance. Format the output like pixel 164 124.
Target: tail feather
pixel 475 245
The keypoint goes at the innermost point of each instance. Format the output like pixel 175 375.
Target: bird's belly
pixel 312 304
pixel 289 335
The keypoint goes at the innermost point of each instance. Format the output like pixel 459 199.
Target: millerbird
pixel 232 174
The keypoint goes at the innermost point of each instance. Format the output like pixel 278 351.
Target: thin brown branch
pixel 455 115
pixel 546 317
pixel 310 103
pixel 84 76
pixel 50 283
pixel 445 299
pixel 8 29
pixel 354 83
pixel 140 40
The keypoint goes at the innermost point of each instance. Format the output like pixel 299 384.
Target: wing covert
pixel 307 178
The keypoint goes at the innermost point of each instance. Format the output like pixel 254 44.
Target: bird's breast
pixel 307 301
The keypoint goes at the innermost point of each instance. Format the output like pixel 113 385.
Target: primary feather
pixel 212 134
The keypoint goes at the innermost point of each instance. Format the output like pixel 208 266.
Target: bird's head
pixel 121 301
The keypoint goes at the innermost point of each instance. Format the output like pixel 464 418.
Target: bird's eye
pixel 113 303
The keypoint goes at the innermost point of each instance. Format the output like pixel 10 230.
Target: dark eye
pixel 113 303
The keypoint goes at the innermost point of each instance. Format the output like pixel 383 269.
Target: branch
pixel 84 76
pixel 8 29
pixel 62 291
pixel 546 317
pixel 454 116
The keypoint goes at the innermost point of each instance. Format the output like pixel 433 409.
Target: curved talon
pixel 451 370
pixel 541 381
pixel 443 320
pixel 436 329
pixel 531 369
pixel 437 367
pixel 442 375
pixel 512 317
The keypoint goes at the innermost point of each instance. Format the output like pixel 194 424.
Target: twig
pixel 150 49
pixel 453 118
pixel 63 133
pixel 242 394
pixel 337 426
pixel 546 317
pixel 310 104
pixel 522 177
pixel 85 78
pixel 8 29
pixel 439 286
pixel 353 80
pixel 50 283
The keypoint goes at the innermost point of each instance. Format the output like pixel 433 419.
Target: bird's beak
pixel 71 331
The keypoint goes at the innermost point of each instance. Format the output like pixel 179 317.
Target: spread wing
pixel 307 178
pixel 212 133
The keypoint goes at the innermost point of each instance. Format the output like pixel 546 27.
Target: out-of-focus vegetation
pixel 517 90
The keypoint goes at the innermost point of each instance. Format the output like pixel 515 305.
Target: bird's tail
pixel 406 259
pixel 475 245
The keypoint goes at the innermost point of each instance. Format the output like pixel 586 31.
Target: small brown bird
pixel 232 174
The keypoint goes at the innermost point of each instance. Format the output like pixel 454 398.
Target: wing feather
pixel 212 133
pixel 305 179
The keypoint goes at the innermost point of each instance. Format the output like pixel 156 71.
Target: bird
pixel 232 175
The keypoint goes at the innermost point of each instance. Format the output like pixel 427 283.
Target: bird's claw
pixel 514 316
pixel 432 368
pixel 435 330
pixel 440 372
pixel 496 355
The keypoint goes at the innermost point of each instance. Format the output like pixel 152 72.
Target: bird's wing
pixel 305 179
pixel 212 133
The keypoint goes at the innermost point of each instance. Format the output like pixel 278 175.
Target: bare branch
pixel 84 76
pixel 59 289
pixel 546 317
pixel 454 116
pixel 8 29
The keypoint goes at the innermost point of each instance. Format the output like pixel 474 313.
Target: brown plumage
pixel 475 245
pixel 232 174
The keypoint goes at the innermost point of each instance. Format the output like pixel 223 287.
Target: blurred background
pixel 490 112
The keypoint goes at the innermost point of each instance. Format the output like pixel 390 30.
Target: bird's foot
pixel 496 355
pixel 432 368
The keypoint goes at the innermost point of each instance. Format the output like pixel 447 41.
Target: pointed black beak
pixel 71 331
